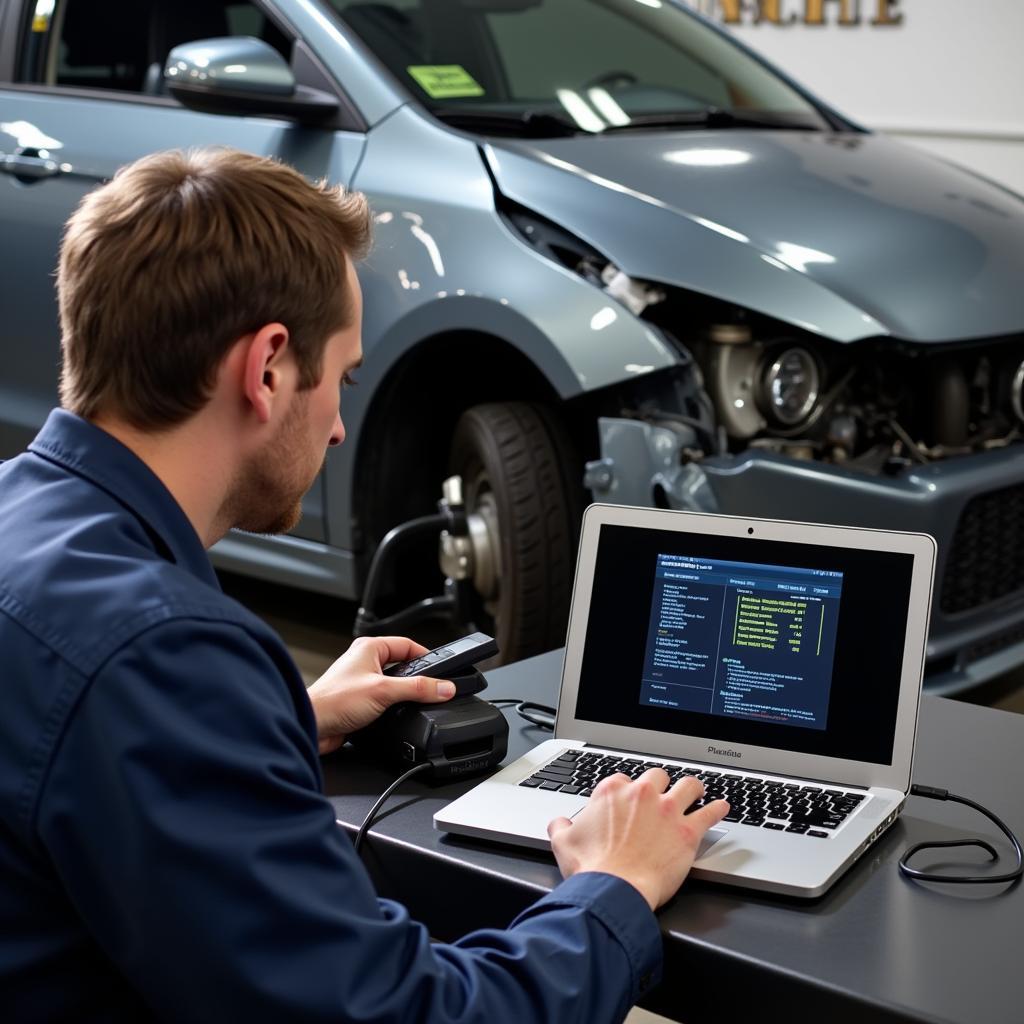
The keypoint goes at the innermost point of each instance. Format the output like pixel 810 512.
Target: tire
pixel 518 467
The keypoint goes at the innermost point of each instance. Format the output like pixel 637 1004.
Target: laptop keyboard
pixel 758 802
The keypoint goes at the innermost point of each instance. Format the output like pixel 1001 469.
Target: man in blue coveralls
pixel 166 851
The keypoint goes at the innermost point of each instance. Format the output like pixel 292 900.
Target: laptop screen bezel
pixel 896 775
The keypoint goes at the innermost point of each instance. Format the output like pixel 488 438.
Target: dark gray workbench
pixel 876 947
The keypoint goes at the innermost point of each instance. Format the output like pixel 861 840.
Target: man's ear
pixel 265 368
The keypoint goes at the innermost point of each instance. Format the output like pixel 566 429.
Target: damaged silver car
pixel 618 257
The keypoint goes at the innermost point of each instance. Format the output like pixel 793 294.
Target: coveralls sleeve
pixel 184 816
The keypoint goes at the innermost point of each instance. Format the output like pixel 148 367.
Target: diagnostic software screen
pixel 742 640
pixel 746 640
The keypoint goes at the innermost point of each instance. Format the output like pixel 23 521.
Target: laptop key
pixel 817 835
pixel 551 785
pixel 776 825
pixel 531 783
pixel 571 789
pixel 804 819
pixel 797 827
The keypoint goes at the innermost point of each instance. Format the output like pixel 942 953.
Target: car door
pixel 83 95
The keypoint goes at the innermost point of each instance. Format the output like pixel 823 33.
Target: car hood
pixel 848 235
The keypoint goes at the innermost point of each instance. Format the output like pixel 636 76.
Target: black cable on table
pixel 368 820
pixel 539 715
pixel 930 793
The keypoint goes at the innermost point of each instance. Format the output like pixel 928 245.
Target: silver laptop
pixel 779 662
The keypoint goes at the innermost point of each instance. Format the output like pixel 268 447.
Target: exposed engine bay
pixel 876 405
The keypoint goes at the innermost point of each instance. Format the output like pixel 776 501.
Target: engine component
pixel 842 434
pixel 732 372
pixel 790 385
pixel 1017 392
pixel 634 295
pixel 950 405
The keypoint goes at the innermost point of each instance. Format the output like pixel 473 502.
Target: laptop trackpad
pixel 710 838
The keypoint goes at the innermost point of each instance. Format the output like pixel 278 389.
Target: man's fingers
pixel 424 689
pixel 390 690
pixel 709 816
pixel 686 790
pixel 558 825
pixel 611 782
pixel 657 777
pixel 397 648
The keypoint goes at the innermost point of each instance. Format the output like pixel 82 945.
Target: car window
pixel 123 44
pixel 541 53
pixel 622 58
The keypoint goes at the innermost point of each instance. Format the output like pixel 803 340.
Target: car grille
pixel 995 644
pixel 986 561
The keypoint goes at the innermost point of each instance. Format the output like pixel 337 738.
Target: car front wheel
pixel 521 483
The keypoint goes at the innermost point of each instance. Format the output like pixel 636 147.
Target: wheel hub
pixel 478 555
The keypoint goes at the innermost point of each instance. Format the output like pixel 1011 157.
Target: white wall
pixel 949 78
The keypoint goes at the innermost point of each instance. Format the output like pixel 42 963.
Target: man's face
pixel 269 500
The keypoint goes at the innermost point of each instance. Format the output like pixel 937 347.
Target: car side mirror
pixel 242 75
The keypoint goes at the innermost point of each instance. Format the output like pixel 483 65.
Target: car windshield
pixel 548 67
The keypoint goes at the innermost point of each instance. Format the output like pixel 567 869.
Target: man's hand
pixel 354 692
pixel 637 831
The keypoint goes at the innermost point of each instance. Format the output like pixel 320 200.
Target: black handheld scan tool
pixel 449 660
pixel 463 736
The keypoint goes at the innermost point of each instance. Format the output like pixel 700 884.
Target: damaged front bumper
pixel 973 506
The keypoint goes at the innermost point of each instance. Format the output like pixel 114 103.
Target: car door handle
pixel 27 166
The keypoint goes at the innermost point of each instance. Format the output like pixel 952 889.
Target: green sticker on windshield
pixel 445 81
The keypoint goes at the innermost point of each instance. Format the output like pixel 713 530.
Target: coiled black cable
pixel 931 793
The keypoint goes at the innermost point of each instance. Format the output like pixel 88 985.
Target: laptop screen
pixel 791 646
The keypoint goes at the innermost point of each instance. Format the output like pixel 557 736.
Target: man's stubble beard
pixel 267 494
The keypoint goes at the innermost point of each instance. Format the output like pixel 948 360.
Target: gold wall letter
pixel 849 12
pixel 771 11
pixel 886 15
pixel 732 11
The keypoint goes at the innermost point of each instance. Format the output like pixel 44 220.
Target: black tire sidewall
pixel 524 454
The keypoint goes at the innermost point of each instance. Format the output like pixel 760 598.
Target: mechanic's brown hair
pixel 166 266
